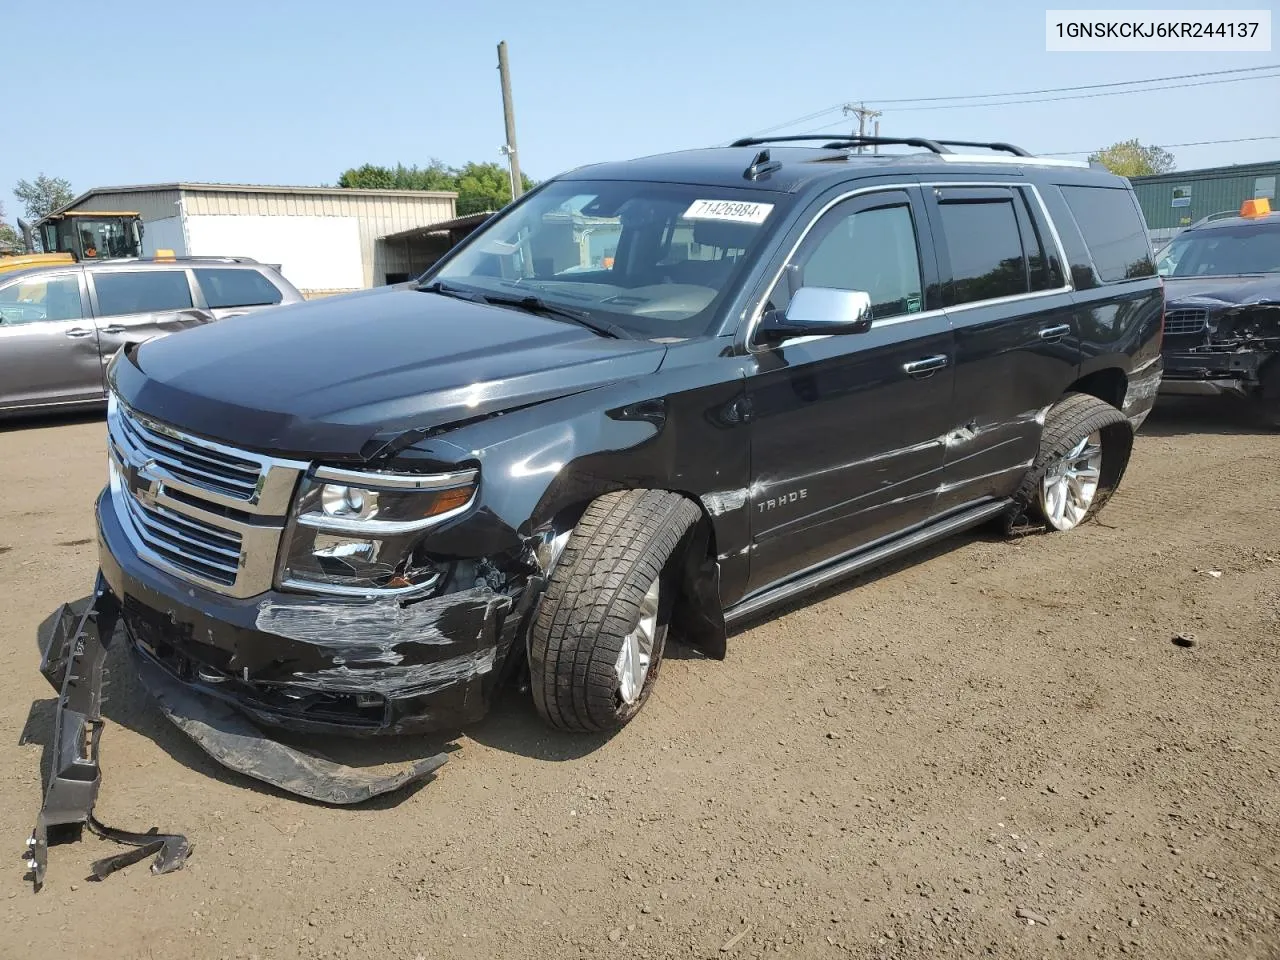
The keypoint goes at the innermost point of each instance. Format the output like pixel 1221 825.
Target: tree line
pixel 39 197
pixel 480 186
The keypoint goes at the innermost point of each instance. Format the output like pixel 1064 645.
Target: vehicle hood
pixel 1217 292
pixel 338 378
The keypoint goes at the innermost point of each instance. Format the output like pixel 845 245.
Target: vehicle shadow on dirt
pixel 1180 416
pixel 39 421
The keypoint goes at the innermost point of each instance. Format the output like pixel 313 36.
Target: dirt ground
pixel 892 769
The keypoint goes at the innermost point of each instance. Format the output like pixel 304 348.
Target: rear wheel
pixel 1269 395
pixel 597 640
pixel 1069 486
pixel 1084 451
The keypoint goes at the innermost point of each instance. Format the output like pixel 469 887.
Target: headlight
pixel 359 533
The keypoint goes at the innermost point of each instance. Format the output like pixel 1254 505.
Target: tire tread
pixel 620 545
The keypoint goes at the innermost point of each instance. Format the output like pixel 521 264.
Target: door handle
pixel 114 328
pixel 920 369
pixel 1055 333
pixel 77 332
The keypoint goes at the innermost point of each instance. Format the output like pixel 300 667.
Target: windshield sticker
pixel 732 210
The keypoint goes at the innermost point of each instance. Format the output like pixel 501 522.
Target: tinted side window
pixel 1042 257
pixel 1113 230
pixel 870 250
pixel 236 288
pixel 41 298
pixel 985 250
pixel 147 291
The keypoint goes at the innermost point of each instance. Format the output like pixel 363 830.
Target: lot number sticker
pixel 732 210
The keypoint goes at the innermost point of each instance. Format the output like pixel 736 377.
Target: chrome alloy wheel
pixel 636 655
pixel 1070 484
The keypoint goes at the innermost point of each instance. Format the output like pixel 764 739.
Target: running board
pixel 867 558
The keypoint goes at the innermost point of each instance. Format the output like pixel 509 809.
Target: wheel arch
pixel 698 614
pixel 1110 384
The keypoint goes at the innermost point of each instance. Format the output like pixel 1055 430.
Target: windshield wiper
pixel 438 287
pixel 532 304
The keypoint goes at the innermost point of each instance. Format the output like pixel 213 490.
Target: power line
pixel 1023 93
pixel 1192 143
pixel 1086 86
pixel 790 123
pixel 1090 96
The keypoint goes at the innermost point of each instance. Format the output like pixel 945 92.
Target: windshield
pixel 654 259
pixel 91 239
pixel 1246 248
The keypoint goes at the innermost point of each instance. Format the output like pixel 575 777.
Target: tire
pixel 616 568
pixel 1268 402
pixel 1084 451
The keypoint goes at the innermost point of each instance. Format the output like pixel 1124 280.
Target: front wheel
pixel 1084 451
pixel 596 643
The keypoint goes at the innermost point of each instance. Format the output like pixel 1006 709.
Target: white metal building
pixel 325 239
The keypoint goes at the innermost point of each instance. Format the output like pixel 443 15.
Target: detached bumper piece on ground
pixel 73 659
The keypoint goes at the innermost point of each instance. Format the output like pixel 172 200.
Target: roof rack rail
pixel 996 145
pixel 1220 215
pixel 213 256
pixel 836 143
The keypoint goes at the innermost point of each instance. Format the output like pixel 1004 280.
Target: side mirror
pixel 819 312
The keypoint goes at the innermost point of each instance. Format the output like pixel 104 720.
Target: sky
pixel 285 92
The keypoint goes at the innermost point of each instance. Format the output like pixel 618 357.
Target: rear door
pixel 48 344
pixel 228 291
pixel 1017 337
pixel 136 305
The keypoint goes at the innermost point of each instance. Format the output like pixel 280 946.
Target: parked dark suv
pixel 648 399
pixel 1222 322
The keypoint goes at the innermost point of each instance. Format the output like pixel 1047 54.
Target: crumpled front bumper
pixel 315 665
pixel 1207 372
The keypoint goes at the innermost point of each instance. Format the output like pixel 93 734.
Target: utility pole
pixel 863 115
pixel 509 116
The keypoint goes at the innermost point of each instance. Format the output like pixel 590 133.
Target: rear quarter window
pixel 144 291
pixel 1111 224
pixel 236 288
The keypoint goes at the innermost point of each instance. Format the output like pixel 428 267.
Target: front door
pixel 848 431
pixel 48 344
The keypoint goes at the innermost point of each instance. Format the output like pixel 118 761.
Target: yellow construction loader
pixel 69 236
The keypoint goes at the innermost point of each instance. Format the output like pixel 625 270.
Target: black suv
pixel 1222 322
pixel 648 399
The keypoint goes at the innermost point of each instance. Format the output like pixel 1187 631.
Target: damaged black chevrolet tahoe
pixel 1222 320
pixel 648 399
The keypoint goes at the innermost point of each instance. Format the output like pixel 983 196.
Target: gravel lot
pixel 893 769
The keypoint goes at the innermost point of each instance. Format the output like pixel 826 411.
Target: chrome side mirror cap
pixel 819 312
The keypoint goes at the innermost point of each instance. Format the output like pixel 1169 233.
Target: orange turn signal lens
pixel 447 500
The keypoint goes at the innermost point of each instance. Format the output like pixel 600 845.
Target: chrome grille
pixel 198 509
pixel 190 545
pixel 201 466
pixel 1185 320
